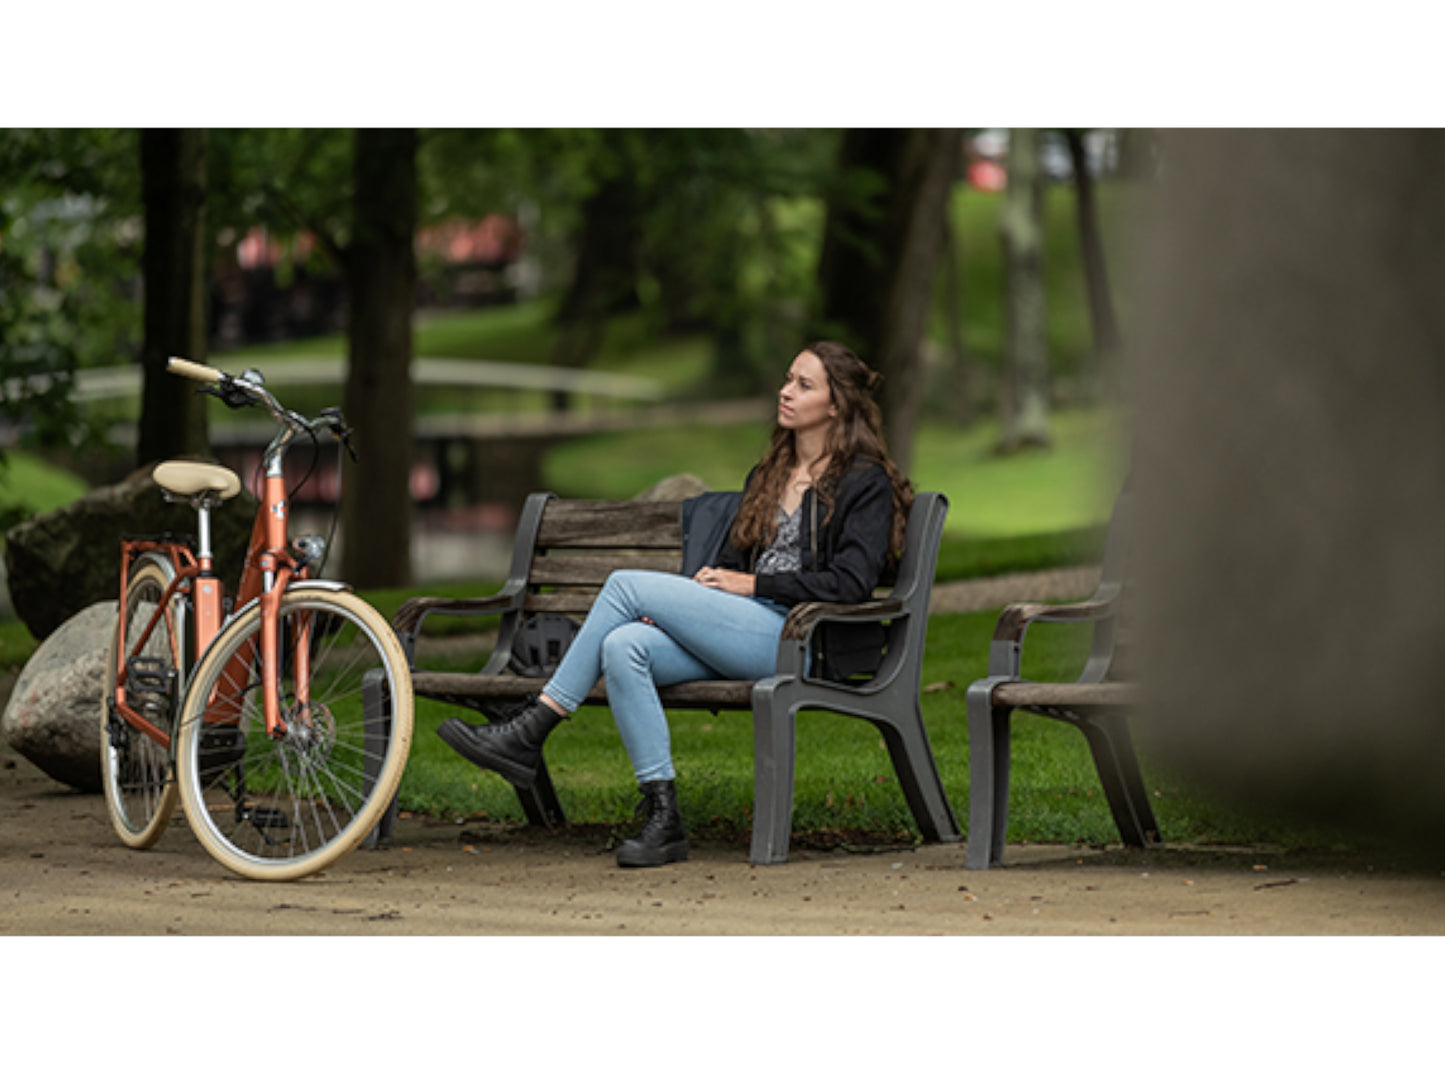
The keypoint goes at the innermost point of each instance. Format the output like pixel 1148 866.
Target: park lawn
pixel 27 480
pixel 845 793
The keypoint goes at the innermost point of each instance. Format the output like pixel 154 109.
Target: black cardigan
pixel 844 563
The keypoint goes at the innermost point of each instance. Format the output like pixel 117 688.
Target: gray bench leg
pixel 377 715
pixel 775 743
pixel 988 776
pixel 917 772
pixel 540 802
pixel 1121 779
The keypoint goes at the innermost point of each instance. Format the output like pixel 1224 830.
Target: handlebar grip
pixel 192 371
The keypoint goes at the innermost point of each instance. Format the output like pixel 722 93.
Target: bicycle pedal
pixel 263 817
pixel 118 731
pixel 221 748
pixel 145 674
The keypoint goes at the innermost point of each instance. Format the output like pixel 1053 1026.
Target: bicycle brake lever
pixel 229 392
pixel 337 424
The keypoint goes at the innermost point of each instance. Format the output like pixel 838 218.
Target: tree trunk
pixel 173 190
pixel 381 276
pixel 1024 402
pixel 960 400
pixel 1096 276
pixel 879 257
pixel 604 279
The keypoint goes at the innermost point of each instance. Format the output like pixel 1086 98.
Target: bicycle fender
pixel 335 586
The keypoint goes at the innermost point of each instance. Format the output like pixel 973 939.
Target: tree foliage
pixel 69 276
pixel 69 250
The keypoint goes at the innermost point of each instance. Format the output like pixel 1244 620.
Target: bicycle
pixel 285 737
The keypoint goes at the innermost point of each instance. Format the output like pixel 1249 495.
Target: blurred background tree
pixel 1024 402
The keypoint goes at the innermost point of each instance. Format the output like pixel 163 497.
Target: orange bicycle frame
pixel 268 571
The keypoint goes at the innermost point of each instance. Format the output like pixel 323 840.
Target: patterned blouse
pixel 785 553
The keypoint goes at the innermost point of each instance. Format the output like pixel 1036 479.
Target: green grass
pixel 28 480
pixel 845 787
pixel 16 646
pixel 29 486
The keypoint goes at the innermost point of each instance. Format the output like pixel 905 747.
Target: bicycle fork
pixel 268 573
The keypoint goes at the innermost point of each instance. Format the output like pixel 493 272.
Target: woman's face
pixel 805 402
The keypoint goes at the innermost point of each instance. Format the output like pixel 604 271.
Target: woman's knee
pixel 626 648
pixel 621 588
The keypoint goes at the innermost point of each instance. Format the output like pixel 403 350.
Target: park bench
pixel 564 551
pixel 1098 703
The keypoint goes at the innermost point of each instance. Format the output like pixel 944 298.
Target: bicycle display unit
pixel 281 723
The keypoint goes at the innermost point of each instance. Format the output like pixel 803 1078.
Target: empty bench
pixel 1098 703
pixel 564 552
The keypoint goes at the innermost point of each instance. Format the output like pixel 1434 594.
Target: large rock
pixel 63 561
pixel 677 487
pixel 53 718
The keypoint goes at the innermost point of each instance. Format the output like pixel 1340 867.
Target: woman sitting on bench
pixel 821 519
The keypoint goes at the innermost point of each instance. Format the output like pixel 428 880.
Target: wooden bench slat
pixel 559 602
pixel 592 569
pixel 610 524
pixel 467 688
pixel 1106 694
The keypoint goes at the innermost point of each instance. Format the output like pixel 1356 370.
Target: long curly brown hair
pixel 856 433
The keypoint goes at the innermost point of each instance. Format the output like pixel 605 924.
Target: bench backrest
pixel 566 549
pixel 575 545
pixel 913 584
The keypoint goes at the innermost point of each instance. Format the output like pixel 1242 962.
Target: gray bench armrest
pixel 806 616
pixel 1006 649
pixel 804 619
pixel 411 613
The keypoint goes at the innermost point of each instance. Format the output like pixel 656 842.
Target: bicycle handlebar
pixel 236 391
pixel 193 371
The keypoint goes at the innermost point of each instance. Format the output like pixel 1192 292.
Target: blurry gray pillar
pixel 1290 467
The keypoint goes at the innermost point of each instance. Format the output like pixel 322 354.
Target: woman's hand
pixel 734 583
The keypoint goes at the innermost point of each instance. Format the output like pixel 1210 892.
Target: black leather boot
pixel 512 749
pixel 662 839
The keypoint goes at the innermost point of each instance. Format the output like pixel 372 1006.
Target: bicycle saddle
pixel 191 479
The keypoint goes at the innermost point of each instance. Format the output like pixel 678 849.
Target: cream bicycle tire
pixel 136 773
pixel 282 808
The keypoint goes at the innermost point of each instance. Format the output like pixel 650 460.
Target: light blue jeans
pixel 696 633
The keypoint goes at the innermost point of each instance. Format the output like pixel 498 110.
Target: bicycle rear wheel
pixel 281 806
pixel 140 787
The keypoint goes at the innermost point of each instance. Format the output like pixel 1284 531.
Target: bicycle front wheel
pixel 279 806
pixel 140 788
